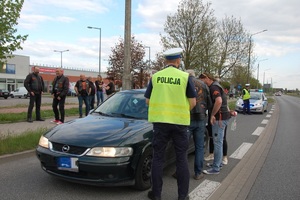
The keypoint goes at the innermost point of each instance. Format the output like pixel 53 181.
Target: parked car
pixel 109 147
pixel 4 93
pixel 258 103
pixel 19 92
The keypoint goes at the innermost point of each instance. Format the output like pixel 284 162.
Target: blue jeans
pixel 218 135
pixel 197 128
pixel 100 96
pixel 84 99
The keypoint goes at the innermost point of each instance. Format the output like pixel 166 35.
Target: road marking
pixel 204 190
pixel 268 116
pixel 258 131
pixel 271 112
pixel 265 121
pixel 241 151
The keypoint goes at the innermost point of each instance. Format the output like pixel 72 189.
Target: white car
pixel 258 103
pixel 19 92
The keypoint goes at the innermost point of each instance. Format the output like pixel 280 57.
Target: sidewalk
pixel 12 129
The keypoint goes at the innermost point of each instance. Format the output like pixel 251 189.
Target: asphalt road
pixel 22 178
pixel 279 178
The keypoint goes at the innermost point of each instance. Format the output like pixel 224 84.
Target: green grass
pixel 26 141
pixel 19 117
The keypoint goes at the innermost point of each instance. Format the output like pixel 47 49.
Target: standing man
pixel 170 95
pixel 198 122
pixel 219 116
pixel 92 93
pixel 246 99
pixel 99 87
pixel 83 91
pixel 34 84
pixel 60 89
pixel 110 87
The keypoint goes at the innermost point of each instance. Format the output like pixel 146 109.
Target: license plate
pixel 67 164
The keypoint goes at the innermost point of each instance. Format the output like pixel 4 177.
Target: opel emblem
pixel 65 148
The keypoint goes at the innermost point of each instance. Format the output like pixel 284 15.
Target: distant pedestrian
pixel 34 84
pixel 110 87
pixel 170 95
pixel 83 91
pixel 92 93
pixel 60 89
pixel 99 86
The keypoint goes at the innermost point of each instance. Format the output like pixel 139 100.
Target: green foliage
pixel 9 40
pixel 27 141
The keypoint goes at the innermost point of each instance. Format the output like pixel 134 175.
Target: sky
pixel 62 25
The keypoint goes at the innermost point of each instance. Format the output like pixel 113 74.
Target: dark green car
pixel 109 147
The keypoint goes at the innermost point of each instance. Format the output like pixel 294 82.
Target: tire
pixel 5 97
pixel 143 173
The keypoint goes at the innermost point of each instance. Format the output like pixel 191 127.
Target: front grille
pixel 75 150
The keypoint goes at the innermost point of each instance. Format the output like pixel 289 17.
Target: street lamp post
pixel 90 27
pixel 149 54
pixel 264 77
pixel 61 55
pixel 258 71
pixel 249 56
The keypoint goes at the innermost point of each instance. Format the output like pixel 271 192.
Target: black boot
pixel 29 120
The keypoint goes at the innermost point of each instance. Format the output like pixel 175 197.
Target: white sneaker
pixel 209 157
pixel 225 160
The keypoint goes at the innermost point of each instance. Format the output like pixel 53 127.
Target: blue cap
pixel 172 54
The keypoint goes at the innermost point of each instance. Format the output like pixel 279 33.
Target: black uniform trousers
pixel 37 99
pixel 61 105
pixel 162 134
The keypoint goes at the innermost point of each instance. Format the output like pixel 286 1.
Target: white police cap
pixel 172 54
pixel 247 84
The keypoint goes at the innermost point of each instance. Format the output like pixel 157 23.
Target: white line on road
pixel 204 190
pixel 241 151
pixel 271 112
pixel 265 121
pixel 258 131
pixel 268 116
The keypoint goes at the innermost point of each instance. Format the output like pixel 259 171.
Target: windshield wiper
pixel 104 114
pixel 125 115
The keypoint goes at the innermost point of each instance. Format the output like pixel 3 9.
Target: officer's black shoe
pixel 249 113
pixel 152 197
pixel 29 120
pixel 41 120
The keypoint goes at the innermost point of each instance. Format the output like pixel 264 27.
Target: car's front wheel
pixel 143 174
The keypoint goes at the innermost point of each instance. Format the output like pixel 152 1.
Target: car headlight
pixel 44 142
pixel 110 151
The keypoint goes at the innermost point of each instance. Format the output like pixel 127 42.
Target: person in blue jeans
pixel 83 90
pixel 219 117
pixel 99 88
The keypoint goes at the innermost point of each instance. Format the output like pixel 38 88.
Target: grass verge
pixel 26 141
pixel 19 117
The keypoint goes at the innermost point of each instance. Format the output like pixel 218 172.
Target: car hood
pixel 95 130
pixel 252 101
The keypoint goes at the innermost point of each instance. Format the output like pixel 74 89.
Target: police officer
pixel 246 99
pixel 34 84
pixel 170 95
pixel 60 89
pixel 83 90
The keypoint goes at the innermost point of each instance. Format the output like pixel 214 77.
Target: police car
pixel 258 102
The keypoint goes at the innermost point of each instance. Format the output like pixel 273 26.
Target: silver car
pixel 258 103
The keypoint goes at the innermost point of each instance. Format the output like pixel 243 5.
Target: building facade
pixel 15 70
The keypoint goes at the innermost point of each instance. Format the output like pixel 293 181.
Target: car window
pixel 130 105
pixel 255 96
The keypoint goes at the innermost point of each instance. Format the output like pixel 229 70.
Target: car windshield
pixel 125 104
pixel 255 96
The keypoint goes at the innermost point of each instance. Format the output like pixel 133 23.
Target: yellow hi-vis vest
pixel 246 95
pixel 168 102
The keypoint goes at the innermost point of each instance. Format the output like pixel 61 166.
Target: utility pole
pixel 127 76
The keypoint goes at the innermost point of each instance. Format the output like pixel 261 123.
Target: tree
pixel 9 41
pixel 138 68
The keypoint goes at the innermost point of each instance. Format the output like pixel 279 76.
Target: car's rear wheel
pixel 143 174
